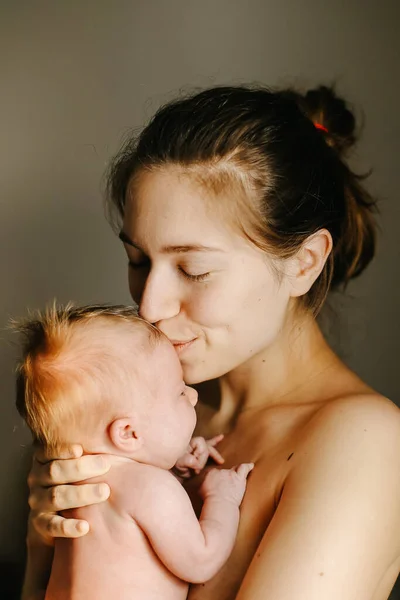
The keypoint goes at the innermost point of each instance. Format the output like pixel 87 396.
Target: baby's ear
pixel 123 434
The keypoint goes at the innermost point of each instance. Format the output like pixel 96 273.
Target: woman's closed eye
pixel 145 264
pixel 192 277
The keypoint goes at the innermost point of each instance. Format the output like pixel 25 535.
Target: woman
pixel 238 215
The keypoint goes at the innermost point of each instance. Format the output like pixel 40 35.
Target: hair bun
pixel 323 106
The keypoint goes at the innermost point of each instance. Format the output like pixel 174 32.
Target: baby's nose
pixel 193 396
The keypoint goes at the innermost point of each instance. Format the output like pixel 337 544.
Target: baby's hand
pixel 197 455
pixel 227 484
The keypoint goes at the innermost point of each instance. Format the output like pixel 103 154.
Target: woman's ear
pixel 309 262
pixel 124 435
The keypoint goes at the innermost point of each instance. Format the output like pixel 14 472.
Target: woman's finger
pixel 51 526
pixel 74 451
pixel 63 497
pixel 73 470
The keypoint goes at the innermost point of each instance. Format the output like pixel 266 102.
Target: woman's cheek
pixel 212 306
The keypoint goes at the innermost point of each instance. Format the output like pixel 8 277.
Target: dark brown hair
pixel 294 174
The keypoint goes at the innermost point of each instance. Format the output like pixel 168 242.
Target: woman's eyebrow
pixel 177 249
pixel 189 248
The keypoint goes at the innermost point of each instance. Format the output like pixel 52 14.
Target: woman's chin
pixel 193 374
pixel 199 373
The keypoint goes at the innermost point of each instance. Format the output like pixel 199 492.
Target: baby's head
pixel 102 377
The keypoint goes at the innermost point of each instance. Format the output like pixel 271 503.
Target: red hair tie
pixel 319 126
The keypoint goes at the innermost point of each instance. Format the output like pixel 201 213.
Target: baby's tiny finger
pixel 191 461
pixel 199 446
pixel 215 440
pixel 244 469
pixel 216 456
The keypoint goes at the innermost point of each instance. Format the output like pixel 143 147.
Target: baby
pixel 101 377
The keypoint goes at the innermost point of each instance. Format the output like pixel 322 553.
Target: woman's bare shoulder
pixel 367 408
pixel 336 529
pixel 363 427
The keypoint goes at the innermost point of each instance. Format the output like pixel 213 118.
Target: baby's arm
pixel 193 550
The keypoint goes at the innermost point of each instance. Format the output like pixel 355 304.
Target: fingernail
pixel 102 490
pixel 76 451
pixel 82 527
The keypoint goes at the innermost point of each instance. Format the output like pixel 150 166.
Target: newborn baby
pixel 104 378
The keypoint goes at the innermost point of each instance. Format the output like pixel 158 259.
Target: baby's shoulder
pixel 133 482
pixel 141 490
pixel 139 474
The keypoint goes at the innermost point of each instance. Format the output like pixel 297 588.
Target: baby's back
pixel 115 559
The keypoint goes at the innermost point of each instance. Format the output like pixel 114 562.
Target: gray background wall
pixel 76 76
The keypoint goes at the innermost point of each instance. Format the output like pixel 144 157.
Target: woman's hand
pixel 51 491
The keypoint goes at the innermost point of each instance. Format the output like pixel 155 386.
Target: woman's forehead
pixel 169 193
pixel 171 209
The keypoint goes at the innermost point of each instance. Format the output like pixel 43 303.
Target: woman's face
pixel 208 289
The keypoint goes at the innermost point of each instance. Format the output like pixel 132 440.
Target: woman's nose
pixel 159 300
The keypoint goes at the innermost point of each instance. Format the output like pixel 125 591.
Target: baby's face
pixel 171 417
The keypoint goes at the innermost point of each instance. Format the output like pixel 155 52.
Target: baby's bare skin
pixel 146 542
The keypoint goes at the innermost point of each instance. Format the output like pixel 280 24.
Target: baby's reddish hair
pixel 59 361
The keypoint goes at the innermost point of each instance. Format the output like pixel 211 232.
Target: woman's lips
pixel 180 345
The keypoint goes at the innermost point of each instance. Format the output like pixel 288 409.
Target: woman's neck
pixel 283 373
